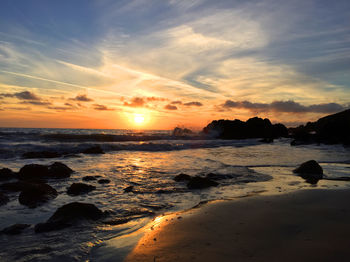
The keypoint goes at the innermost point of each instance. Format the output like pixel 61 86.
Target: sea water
pixel 148 161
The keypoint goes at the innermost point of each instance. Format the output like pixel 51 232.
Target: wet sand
pixel 310 225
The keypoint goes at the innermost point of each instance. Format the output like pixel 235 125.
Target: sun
pixel 139 119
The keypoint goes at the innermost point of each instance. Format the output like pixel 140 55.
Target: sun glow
pixel 139 119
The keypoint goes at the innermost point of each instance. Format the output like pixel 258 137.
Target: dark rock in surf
pixel 7 174
pixel 33 171
pixel 14 229
pixel 213 176
pixel 79 189
pixel 104 181
pixel 89 178
pixel 41 154
pixel 311 171
pixel 200 183
pixel 128 189
pixel 94 150
pixel 59 170
pixel 33 195
pixel 69 214
pixel 3 199
pixel 182 177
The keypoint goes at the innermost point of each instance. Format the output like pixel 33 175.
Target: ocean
pixel 148 161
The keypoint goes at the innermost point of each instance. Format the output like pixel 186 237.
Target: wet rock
pixel 89 178
pixel 104 181
pixel 311 171
pixel 33 171
pixel 3 199
pixel 7 174
pixel 94 150
pixel 128 189
pixel 213 176
pixel 182 177
pixel 79 188
pixel 68 214
pixel 33 195
pixel 14 229
pixel 200 183
pixel 41 154
pixel 59 170
pixel 15 186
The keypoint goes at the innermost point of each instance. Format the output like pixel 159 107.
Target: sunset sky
pixel 158 64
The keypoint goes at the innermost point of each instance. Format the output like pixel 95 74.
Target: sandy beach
pixel 308 225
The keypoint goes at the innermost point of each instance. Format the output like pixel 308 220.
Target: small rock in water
pixel 68 214
pixel 128 189
pixel 14 229
pixel 3 199
pixel 89 178
pixel 7 174
pixel 33 171
pixel 80 188
pixel 200 183
pixel 311 171
pixel 104 181
pixel 34 195
pixel 94 150
pixel 59 170
pixel 182 177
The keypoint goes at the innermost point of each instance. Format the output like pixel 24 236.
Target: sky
pixel 147 64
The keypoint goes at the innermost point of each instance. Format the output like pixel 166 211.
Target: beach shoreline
pixel 307 225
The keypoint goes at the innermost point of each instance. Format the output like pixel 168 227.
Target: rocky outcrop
pixel 200 183
pixel 79 189
pixel 253 128
pixel 311 171
pixel 182 177
pixel 69 214
pixel 331 129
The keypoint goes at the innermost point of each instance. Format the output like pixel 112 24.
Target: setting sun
pixel 139 119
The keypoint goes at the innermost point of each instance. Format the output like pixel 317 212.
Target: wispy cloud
pixel 82 98
pixel 170 107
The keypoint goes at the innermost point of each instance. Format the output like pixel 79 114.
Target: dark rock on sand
pixel 3 199
pixel 59 170
pixel 89 178
pixel 14 229
pixel 253 128
pixel 200 183
pixel 311 171
pixel 41 154
pixel 33 195
pixel 128 189
pixel 94 150
pixel 182 177
pixel 79 188
pixel 7 174
pixel 68 214
pixel 104 181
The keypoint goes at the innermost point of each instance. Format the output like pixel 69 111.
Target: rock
pixel 14 229
pixel 94 150
pixel 33 171
pixel 68 214
pixel 200 183
pixel 182 177
pixel 213 176
pixel 59 170
pixel 41 154
pixel 311 171
pixel 128 189
pixel 253 128
pixel 89 178
pixel 33 195
pixel 17 186
pixel 7 174
pixel 3 199
pixel 79 188
pixel 178 131
pixel 104 181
